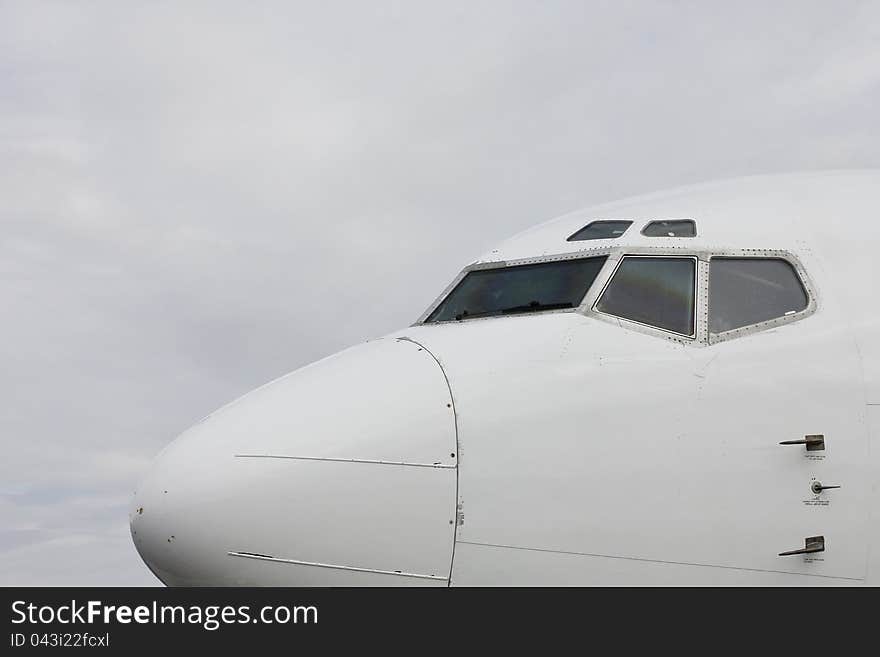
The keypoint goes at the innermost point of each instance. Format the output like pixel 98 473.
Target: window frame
pixel 629 253
pixel 757 254
pixel 629 223
pixel 614 256
pixel 693 222
pixel 606 252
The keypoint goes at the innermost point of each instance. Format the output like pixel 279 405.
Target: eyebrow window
pixel 600 230
pixel 519 289
pixel 671 228
pixel 746 291
pixel 656 291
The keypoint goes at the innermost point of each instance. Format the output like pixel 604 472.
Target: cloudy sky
pixel 197 197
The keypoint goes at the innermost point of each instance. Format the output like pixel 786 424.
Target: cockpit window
pixel 657 291
pixel 519 289
pixel 601 230
pixel 671 228
pixel 745 291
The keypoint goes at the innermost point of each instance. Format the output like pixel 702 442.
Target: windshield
pixel 519 289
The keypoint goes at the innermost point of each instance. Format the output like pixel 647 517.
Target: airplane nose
pixel 340 473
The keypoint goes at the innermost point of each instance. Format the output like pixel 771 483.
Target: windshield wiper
pixel 535 306
pixel 531 307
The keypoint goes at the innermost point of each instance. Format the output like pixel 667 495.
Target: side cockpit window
pixel 601 230
pixel 655 291
pixel 747 291
pixel 519 289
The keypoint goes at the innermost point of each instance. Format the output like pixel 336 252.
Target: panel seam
pixel 448 466
pixel 457 451
pixel 675 563
pixel 316 564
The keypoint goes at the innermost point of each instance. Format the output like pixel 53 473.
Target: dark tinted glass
pixel 671 228
pixel 519 289
pixel 744 291
pixel 600 230
pixel 654 291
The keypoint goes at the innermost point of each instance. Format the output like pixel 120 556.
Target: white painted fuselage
pixel 565 446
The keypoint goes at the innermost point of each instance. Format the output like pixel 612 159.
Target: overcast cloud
pixel 196 198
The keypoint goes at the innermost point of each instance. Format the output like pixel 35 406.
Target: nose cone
pixel 341 473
